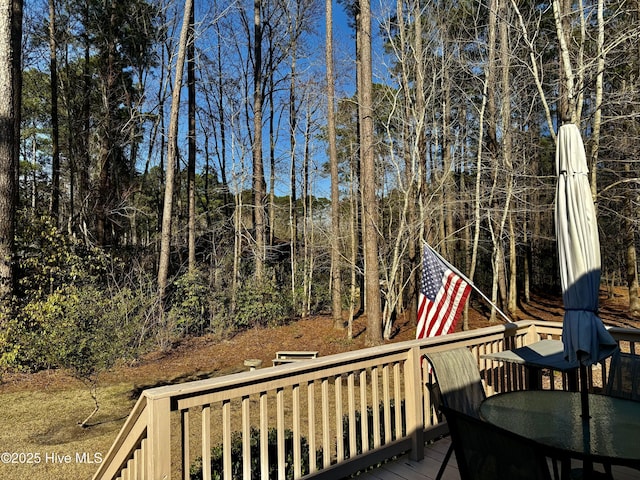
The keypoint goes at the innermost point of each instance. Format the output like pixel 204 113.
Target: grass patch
pixel 41 430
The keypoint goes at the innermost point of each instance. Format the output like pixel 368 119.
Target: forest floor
pixel 41 410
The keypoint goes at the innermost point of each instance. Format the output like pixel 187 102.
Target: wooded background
pixel 186 169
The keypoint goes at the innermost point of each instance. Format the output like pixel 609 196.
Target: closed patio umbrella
pixel 584 336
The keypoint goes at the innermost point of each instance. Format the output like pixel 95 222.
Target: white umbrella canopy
pixel 584 336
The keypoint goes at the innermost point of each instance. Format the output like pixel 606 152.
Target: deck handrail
pixel 318 403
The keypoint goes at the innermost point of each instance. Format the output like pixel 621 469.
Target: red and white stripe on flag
pixel 441 299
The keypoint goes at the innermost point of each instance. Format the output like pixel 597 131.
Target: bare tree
pixel 191 154
pixel 259 187
pixel 496 216
pixel 506 147
pixel 172 146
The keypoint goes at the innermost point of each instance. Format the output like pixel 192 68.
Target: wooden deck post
pixel 159 438
pixel 413 394
pixel 532 335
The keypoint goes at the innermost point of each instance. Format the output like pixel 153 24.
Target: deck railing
pixel 323 418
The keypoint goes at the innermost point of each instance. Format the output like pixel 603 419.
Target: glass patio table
pixel 553 419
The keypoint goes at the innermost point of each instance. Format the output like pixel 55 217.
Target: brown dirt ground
pixel 209 356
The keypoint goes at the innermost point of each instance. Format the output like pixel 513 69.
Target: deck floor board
pixel 426 469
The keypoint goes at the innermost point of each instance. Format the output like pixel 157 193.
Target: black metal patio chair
pixel 458 386
pixel 624 376
pixel 487 452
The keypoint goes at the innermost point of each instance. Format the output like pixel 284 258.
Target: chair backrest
pixel 458 380
pixel 487 452
pixel 624 376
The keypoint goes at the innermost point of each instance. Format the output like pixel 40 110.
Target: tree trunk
pixel 191 168
pixel 55 150
pixel 227 209
pixel 370 204
pixel 359 266
pixel 172 145
pixel 272 159
pixel 354 208
pixel 597 114
pixel 512 299
pixel 336 280
pixel 447 189
pixel 84 154
pixel 16 65
pixel 493 151
pixel 492 137
pixel 477 213
pixel 507 153
pixel 106 131
pixel 526 261
pixel 258 168
pixel 567 101
pixel 414 165
pixel 309 230
pixel 630 222
pixel 10 34
pixel 293 208
pixel 293 216
pixel 413 150
pixel 632 271
pixel 237 250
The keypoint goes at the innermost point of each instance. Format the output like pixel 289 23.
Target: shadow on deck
pixel 407 469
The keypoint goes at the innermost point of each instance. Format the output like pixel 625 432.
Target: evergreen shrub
pixel 217 472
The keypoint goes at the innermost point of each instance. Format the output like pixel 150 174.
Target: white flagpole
pixel 464 277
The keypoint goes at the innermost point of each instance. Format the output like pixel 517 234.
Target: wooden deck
pixel 171 426
pixel 404 468
pixel 407 469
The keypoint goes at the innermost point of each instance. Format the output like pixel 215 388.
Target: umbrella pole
pixel 587 465
pixel 584 392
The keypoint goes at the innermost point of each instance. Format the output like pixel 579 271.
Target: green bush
pixel 84 330
pixel 262 304
pixel 190 304
pixel 220 322
pixel 196 309
pixel 217 472
pixel 9 347
pixel 321 297
pixel 48 260
pixel 81 329
pixel 68 313
pixel 236 448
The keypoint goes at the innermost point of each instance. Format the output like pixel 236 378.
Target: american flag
pixel 441 299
